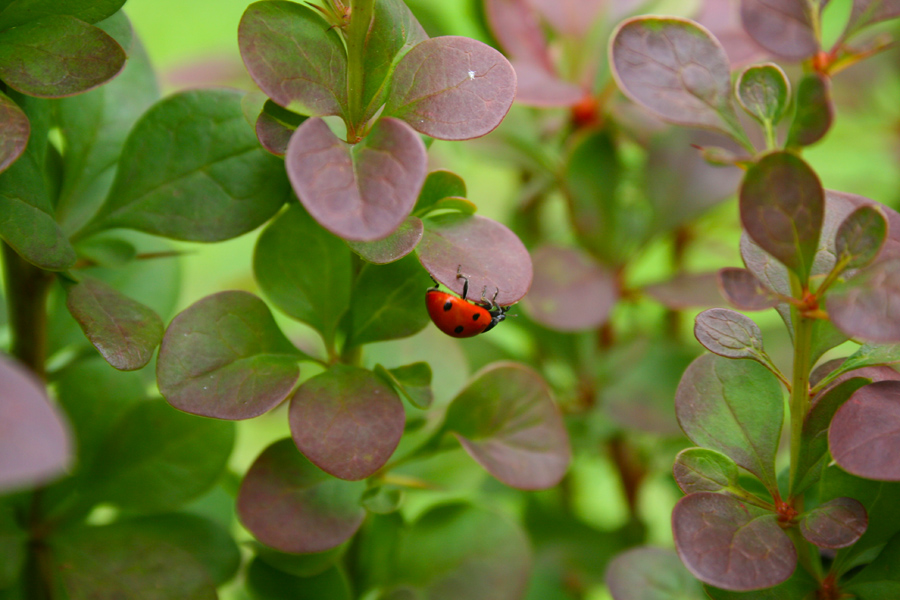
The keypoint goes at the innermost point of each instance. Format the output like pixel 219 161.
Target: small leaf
pixel 867 306
pixel 687 290
pixel 648 573
pixel 676 69
pixel 347 421
pixel 704 470
pixel 452 88
pixel 14 131
pixel 157 459
pixel 764 92
pixel 284 46
pixel 815 111
pixel 412 381
pixel 783 27
pixel 267 583
pixel 570 291
pixel 35 446
pixel 870 355
pixel 515 24
pixel 304 270
pixel 291 505
pixel 438 185
pixel 224 357
pixel 362 192
pixel 459 204
pixel 124 331
pixel 730 334
pixel 272 134
pixel 507 421
pixel 742 289
pixel 19 12
pixel 300 565
pixel 837 523
pixel 395 246
pixel 57 56
pixel 485 251
pixel 382 501
pixel 192 169
pixel 865 433
pixel 879 580
pixel 782 209
pixel 860 237
pixel 731 545
pixel 735 407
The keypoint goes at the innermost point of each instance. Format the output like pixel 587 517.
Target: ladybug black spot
pixel 475 316
pixel 459 329
pixel 448 305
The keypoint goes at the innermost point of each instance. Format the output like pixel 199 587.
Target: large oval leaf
pixel 14 130
pixel 508 422
pixel 487 252
pixel 865 432
pixel 837 523
pixel 648 573
pixel 731 545
pixel 291 505
pixel 18 12
pixel 224 357
pixel 361 192
pixel 395 246
pixel 452 88
pixel 729 334
pixel 783 27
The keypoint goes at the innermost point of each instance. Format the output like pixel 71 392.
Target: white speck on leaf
pixel 471 74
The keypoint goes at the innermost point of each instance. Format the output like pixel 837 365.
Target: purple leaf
pixel 865 433
pixel 730 334
pixel 362 192
pixel 516 27
pixel 723 19
pixel 782 209
pixel 728 544
pixel 347 421
pixel 735 407
pixel 570 17
pixel 224 357
pixel 35 445
pixel 742 289
pixel 815 111
pixel 485 251
pixel 507 421
pixel 868 12
pixel 647 573
pixel 867 305
pixel 452 88
pixel 783 27
pixel 124 331
pixel 539 87
pixel 688 290
pixel 57 56
pixel 292 506
pixel 704 470
pixel 676 69
pixel 14 131
pixel 860 237
pixel 273 135
pixel 570 291
pixel 837 523
pixel 293 59
pixel 395 246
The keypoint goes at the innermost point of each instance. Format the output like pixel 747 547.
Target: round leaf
pixel 292 506
pixel 507 421
pixel 361 192
pixel 647 573
pixel 452 88
pixel 865 433
pixel 687 290
pixel 18 12
pixel 731 545
pixel 837 523
pixel 860 236
pixel 224 357
pixel 347 421
pixel 438 185
pixel 782 27
pixel 704 470
pixel 867 306
pixel 395 246
pixel 729 334
pixel 764 92
pixel 570 291
pixel 14 130
pixel 485 251
pixel 815 111
pixel 742 289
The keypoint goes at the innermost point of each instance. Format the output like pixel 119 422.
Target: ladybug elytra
pixel 462 318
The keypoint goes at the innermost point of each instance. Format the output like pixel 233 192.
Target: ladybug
pixel 462 318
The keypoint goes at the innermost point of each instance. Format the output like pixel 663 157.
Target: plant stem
pixel 800 384
pixel 27 287
pixel 361 15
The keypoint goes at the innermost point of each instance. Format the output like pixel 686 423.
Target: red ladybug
pixel 461 318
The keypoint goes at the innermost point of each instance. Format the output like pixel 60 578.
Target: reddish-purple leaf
pixel 507 421
pixel 782 209
pixel 723 19
pixel 35 445
pixel 516 27
pixel 647 573
pixel 347 421
pixel 861 236
pixel 869 12
pixel 58 55
pixel 676 69
pixel 14 131
pixel 361 192
pixel 688 290
pixel 865 432
pixel 291 505
pixel 837 523
pixel 570 291
pixel 452 88
pixel 815 111
pixel 273 135
pixel 293 59
pixel 743 290
pixel 124 331
pixel 485 251
pixel 570 17
pixel 704 470
pixel 730 545
pixel 539 87
pixel 867 305
pixel 224 357
pixel 395 246
pixel 783 27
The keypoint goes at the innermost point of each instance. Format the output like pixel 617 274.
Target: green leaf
pixel 299 565
pixel 704 470
pixel 382 500
pixel 412 381
pixel 438 185
pixel 124 331
pixel 58 55
pixel 815 111
pixel 13 547
pixel 106 251
pixel 192 169
pixel 387 302
pixel 868 355
pixel 880 580
pixel 14 131
pixel 730 334
pixel 19 12
pixel 507 421
pixel 157 459
pixel 651 574
pixel 764 92
pixel 267 583
pixel 395 246
pixel 735 407
pixel 224 357
pixel 304 270
pixel 860 237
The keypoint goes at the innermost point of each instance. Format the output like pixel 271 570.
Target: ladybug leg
pixel 465 282
pixel 436 284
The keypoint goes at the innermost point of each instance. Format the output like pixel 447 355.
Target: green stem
pixel 27 287
pixel 361 15
pixel 803 327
